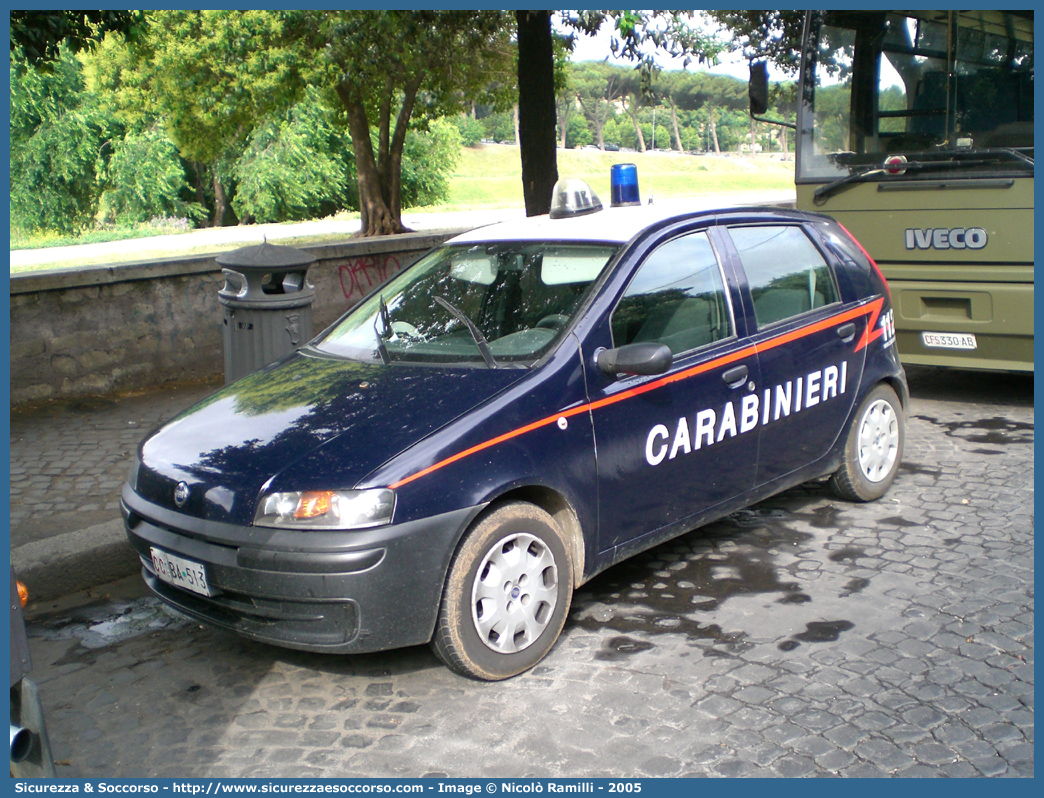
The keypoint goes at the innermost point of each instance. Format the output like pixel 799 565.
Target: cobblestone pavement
pixel 70 459
pixel 805 636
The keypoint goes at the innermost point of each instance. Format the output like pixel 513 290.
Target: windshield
pixel 951 92
pixel 496 304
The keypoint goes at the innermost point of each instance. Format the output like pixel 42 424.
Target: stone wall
pixel 107 329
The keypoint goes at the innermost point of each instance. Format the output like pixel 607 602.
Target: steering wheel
pixel 554 321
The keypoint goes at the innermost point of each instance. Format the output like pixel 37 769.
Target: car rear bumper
pixel 337 592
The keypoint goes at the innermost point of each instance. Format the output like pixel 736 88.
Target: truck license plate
pixel 180 572
pixel 949 340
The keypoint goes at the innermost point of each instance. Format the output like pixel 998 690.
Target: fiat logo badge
pixel 181 494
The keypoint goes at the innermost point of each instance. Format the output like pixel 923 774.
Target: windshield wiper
pixel 385 318
pixel 480 339
pixel 980 158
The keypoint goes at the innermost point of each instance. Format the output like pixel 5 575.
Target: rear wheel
pixel 507 594
pixel 874 448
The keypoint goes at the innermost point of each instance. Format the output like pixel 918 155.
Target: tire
pixel 507 594
pixel 874 447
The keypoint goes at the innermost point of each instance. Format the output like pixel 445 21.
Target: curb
pixel 75 561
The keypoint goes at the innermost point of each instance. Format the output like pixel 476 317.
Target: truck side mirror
pixel 757 90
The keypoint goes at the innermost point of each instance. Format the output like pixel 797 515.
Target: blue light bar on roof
pixel 623 185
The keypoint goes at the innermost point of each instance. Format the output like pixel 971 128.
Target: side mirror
pixel 757 90
pixel 646 358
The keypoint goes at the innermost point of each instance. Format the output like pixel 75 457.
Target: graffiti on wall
pixel 359 276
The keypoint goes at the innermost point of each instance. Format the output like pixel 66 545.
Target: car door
pixel 671 446
pixel 808 343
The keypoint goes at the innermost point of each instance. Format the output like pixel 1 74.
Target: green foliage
pixel 470 129
pixel 695 97
pixel 217 74
pixel 294 167
pixel 663 134
pixel 57 135
pixel 577 134
pixel 38 36
pixel 429 159
pixel 145 179
pixel 499 126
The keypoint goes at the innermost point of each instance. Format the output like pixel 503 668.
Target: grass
pixel 491 176
pixel 487 177
pixel 23 240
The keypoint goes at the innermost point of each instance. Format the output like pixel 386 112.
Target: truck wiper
pixel 819 196
pixel 480 339
pixel 980 158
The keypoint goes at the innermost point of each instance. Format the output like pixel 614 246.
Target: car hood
pixel 310 422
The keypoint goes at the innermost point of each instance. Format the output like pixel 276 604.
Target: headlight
pixel 326 509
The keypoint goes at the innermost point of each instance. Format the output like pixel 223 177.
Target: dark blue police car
pixel 522 408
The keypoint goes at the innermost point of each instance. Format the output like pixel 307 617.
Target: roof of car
pixel 617 225
pixel 612 225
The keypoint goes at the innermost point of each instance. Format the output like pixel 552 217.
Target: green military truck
pixel 915 131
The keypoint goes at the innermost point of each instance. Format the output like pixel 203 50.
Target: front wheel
pixel 507 594
pixel 874 448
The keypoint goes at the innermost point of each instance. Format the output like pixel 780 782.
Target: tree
pixel 598 87
pixel 439 60
pixel 144 178
pixel 210 78
pixel 37 36
pixel 715 93
pixel 216 76
pixel 666 30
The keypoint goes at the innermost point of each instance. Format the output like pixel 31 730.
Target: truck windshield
pixel 922 95
pixel 497 304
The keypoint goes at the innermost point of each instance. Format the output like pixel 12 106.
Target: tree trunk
pixel 596 120
pixel 377 217
pixel 220 203
pixel 197 172
pixel 514 115
pixel 398 141
pixel 674 122
pixel 536 110
pixel 563 125
pixel 631 112
pixel 714 131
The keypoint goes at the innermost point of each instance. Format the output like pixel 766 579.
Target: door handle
pixel 846 332
pixel 735 376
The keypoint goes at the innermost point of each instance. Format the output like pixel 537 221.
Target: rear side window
pixel 786 273
pixel 676 298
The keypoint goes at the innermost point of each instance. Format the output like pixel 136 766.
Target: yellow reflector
pixel 23 593
pixel 313 504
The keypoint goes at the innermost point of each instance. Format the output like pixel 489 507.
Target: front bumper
pixel 337 592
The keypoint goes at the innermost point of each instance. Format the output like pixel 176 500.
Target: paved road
pixel 803 637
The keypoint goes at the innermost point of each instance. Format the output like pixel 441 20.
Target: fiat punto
pixel 525 406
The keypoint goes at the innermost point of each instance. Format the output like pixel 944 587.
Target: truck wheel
pixel 874 448
pixel 507 594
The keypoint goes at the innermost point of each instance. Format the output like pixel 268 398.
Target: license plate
pixel 180 572
pixel 949 340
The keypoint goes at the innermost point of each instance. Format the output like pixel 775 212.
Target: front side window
pixel 787 275
pixel 676 298
pixel 950 91
pixel 516 297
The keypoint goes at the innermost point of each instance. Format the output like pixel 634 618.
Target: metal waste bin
pixel 268 305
